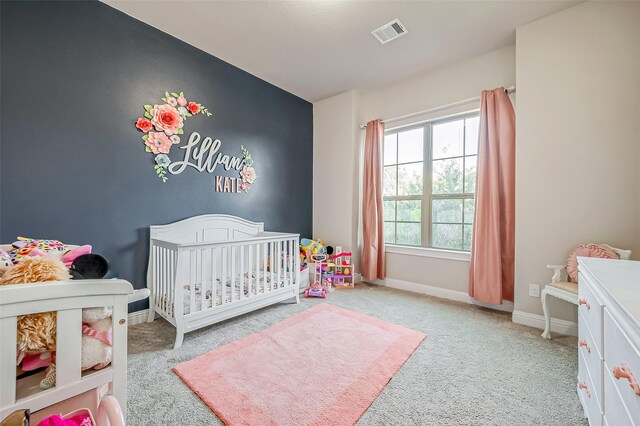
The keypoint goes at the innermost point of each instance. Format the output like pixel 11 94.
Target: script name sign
pixel 205 155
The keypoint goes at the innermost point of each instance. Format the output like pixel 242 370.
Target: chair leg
pixel 546 334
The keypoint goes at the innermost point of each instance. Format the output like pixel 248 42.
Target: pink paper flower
pixel 248 174
pixel 143 124
pixel 244 186
pixel 193 108
pixel 172 101
pixel 166 118
pixel 175 139
pixel 158 142
pixel 182 101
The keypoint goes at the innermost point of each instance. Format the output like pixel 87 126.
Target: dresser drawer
pixel 593 358
pixel 620 354
pixel 591 309
pixel 616 413
pixel 587 396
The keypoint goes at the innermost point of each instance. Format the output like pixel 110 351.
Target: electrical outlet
pixel 534 290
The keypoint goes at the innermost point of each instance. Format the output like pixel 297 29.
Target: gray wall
pixel 74 78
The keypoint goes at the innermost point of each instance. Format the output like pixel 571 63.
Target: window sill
pixel 460 256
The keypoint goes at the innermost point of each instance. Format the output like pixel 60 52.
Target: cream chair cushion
pixel 566 286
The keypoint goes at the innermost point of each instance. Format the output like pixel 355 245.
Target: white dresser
pixel 609 341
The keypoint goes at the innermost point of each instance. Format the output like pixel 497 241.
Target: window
pixel 429 183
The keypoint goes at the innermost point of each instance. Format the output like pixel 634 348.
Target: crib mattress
pixel 254 287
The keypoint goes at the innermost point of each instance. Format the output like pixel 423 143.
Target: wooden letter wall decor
pixel 162 126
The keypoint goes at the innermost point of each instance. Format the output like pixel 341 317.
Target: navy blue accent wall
pixel 74 78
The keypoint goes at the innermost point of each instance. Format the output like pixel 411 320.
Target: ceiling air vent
pixel 390 31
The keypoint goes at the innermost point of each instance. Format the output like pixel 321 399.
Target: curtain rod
pixel 508 90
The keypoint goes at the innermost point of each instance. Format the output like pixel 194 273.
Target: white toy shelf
pixel 67 298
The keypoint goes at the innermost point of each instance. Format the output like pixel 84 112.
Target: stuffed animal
pixel 316 250
pixel 96 338
pixel 5 262
pixel 26 247
pixel 37 332
pixel 96 322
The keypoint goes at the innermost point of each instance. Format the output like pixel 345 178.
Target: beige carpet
pixel 475 368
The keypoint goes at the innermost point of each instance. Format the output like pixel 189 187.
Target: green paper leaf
pixel 181 93
pixel 180 132
pixel 145 137
pixel 147 115
pixel 164 99
pixel 147 149
pixel 166 94
pixel 148 107
pixel 174 94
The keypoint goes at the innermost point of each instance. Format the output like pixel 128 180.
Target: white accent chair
pixel 565 290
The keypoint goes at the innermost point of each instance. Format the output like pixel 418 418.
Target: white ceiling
pixel 318 48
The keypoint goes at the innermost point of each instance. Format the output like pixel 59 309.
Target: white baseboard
pixel 567 328
pixel 444 293
pixel 138 317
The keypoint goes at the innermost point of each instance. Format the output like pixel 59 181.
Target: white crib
pixel 210 268
pixel 67 298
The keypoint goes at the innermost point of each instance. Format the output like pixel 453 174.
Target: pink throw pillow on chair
pixel 586 250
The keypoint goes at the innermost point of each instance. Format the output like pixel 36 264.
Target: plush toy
pixel 96 338
pixel 5 262
pixel 70 256
pixel 26 247
pixel 96 322
pixel 5 259
pixel 316 250
pixel 37 332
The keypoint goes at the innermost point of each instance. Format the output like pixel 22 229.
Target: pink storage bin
pixel 109 413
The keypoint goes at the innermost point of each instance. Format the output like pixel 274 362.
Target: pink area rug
pixel 324 366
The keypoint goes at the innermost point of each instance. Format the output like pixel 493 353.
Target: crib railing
pixel 211 275
pixel 67 298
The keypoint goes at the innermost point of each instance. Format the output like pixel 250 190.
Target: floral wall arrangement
pixel 163 125
pixel 167 120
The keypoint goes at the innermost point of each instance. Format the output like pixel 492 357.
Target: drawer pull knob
pixel 584 344
pixel 583 301
pixel 623 372
pixel 584 387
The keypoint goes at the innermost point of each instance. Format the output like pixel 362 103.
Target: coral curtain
pixel 491 273
pixel 372 264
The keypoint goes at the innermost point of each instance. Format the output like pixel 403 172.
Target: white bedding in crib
pixel 256 288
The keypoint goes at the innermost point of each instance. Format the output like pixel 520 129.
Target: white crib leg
pixel 179 335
